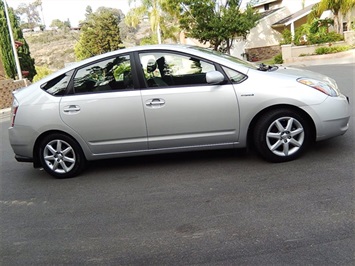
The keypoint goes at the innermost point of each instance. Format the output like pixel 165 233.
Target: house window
pixel 266 7
pixel 345 26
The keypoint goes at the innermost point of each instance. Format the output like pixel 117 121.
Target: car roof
pixel 195 50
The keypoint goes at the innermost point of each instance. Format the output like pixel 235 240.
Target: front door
pixel 181 109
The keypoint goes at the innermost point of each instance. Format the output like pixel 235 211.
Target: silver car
pixel 170 98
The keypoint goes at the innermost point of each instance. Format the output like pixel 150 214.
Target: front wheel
pixel 281 135
pixel 61 156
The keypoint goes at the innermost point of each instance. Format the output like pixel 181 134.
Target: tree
pixel 6 53
pixel 161 18
pixel 339 9
pixel 127 33
pixel 214 22
pixel 57 23
pixel 88 11
pixel 30 13
pixel 99 33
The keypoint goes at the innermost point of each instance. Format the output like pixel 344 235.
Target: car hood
pixel 302 73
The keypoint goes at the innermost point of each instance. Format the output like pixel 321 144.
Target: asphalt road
pixel 209 208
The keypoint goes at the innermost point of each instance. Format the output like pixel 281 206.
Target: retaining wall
pixel 290 52
pixel 7 87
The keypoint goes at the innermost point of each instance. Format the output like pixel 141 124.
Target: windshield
pixel 225 56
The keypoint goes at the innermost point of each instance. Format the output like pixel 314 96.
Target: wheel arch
pixel 36 160
pixel 300 111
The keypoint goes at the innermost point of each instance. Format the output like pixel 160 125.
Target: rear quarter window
pixel 58 85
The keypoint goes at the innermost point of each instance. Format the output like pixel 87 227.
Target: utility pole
pixel 18 67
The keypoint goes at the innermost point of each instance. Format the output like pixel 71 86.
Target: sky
pixel 74 10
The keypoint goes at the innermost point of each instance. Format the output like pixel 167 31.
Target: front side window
pixel 104 76
pixel 168 69
pixel 58 85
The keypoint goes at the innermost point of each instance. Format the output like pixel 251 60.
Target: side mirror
pixel 214 77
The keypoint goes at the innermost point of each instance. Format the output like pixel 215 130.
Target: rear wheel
pixel 61 156
pixel 281 135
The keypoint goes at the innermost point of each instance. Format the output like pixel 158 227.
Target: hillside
pixel 52 49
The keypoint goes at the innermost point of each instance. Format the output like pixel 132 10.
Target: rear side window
pixel 108 75
pixel 58 85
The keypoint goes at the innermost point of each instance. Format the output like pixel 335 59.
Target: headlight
pixel 322 86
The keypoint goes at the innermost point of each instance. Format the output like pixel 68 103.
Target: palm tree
pixel 339 9
pixel 152 8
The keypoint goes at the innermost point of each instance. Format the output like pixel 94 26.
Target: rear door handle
pixel 155 103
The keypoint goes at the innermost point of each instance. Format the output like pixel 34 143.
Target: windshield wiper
pixel 263 67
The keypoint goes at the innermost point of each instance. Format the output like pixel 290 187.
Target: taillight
pixel 14 109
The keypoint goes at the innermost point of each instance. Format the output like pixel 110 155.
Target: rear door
pixel 105 109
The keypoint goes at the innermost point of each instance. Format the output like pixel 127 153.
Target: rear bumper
pixel 22 140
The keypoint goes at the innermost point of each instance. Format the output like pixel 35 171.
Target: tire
pixel 61 156
pixel 281 135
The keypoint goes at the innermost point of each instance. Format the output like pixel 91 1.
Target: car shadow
pixel 170 160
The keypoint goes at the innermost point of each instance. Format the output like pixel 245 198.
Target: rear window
pixel 58 85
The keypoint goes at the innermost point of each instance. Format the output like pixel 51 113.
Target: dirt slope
pixel 52 49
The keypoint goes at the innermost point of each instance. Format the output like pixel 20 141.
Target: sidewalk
pixel 347 57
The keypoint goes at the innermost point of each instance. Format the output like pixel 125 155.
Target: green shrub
pixel 278 59
pixel 41 73
pixel 332 49
pixel 286 37
pixel 322 50
pixel 301 35
pixel 320 26
pixel 316 33
pixel 326 38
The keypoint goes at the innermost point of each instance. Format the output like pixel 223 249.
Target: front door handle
pixel 71 109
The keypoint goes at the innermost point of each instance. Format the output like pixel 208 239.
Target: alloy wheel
pixel 59 156
pixel 285 136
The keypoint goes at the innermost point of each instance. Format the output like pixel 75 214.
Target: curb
pixel 346 57
pixel 5 113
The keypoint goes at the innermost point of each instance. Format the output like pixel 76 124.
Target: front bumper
pixel 332 117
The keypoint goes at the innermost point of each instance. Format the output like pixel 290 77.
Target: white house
pixel 263 40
